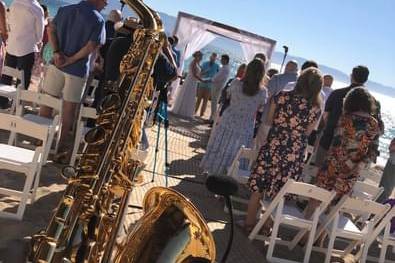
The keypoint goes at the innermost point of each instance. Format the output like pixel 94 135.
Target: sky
pixel 336 33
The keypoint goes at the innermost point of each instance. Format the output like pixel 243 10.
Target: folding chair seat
pixel 240 170
pixel 21 160
pixel 54 124
pixel 339 224
pixel 9 91
pixel 286 213
pixel 81 129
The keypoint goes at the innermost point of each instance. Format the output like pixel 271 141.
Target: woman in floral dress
pixel 292 117
pixel 351 149
pixel 236 127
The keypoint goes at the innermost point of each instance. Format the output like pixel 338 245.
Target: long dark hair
pixel 253 77
pixel 309 85
pixel 359 99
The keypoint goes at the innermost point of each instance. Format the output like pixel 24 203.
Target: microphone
pixel 285 55
pixel 222 185
pixel 225 186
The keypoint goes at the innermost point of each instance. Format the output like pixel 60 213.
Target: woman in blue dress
pixel 236 127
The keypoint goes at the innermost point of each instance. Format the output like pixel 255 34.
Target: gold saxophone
pixel 87 221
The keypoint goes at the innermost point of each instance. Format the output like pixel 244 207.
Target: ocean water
pixel 387 102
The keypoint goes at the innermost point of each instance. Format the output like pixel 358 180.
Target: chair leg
pixel 364 252
pixel 25 195
pixel 310 241
pixel 383 251
pixel 277 219
pixel 36 182
pixel 384 243
pixel 332 238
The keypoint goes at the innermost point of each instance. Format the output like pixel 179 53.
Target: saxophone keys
pixel 68 172
pixel 110 103
pixel 95 136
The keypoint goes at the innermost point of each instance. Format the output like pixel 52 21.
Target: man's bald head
pixel 291 67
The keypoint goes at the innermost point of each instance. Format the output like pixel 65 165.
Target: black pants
pixel 24 63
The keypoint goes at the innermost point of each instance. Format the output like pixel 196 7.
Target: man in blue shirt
pixel 209 69
pixel 74 34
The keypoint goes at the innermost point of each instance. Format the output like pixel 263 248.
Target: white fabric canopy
pixel 194 33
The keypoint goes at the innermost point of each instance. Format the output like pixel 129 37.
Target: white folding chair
pixel 39 99
pixel 9 91
pixel 81 129
pixel 339 224
pixel 382 234
pixel 241 174
pixel 89 98
pixel 21 160
pixel 285 214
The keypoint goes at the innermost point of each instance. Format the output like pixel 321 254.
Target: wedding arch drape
pixel 195 32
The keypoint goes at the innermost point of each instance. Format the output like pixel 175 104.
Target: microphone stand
pixel 232 225
pixel 162 116
pixel 122 5
pixel 285 56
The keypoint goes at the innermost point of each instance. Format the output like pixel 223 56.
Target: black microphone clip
pixel 285 49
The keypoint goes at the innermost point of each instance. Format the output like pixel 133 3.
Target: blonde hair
pixel 309 85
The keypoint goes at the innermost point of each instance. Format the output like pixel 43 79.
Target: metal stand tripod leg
pixel 162 116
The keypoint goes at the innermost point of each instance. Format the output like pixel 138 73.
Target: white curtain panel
pixel 193 37
pixel 249 50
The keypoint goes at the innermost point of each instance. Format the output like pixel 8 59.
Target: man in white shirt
pixel 26 21
pixel 327 87
pixel 217 83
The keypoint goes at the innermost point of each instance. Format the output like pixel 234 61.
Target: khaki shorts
pixel 62 85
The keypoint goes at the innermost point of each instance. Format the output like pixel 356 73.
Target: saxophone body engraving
pixel 87 220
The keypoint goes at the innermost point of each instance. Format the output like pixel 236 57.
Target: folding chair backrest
pixel 358 207
pixel 17 124
pixel 367 191
pixel 309 191
pixel 386 221
pixel 39 99
pixel 13 72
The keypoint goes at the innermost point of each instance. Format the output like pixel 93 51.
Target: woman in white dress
pixel 184 104
pixel 236 127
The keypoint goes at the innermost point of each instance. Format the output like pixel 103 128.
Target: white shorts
pixel 62 85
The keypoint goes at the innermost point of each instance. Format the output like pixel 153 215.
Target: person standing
pixel 334 109
pixel 388 178
pixel 74 34
pixel 224 100
pixel 26 22
pixel 186 94
pixel 217 83
pixel 209 69
pixel 350 147
pixel 114 17
pixel 292 117
pixel 176 51
pixel 237 122
pixel 327 87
